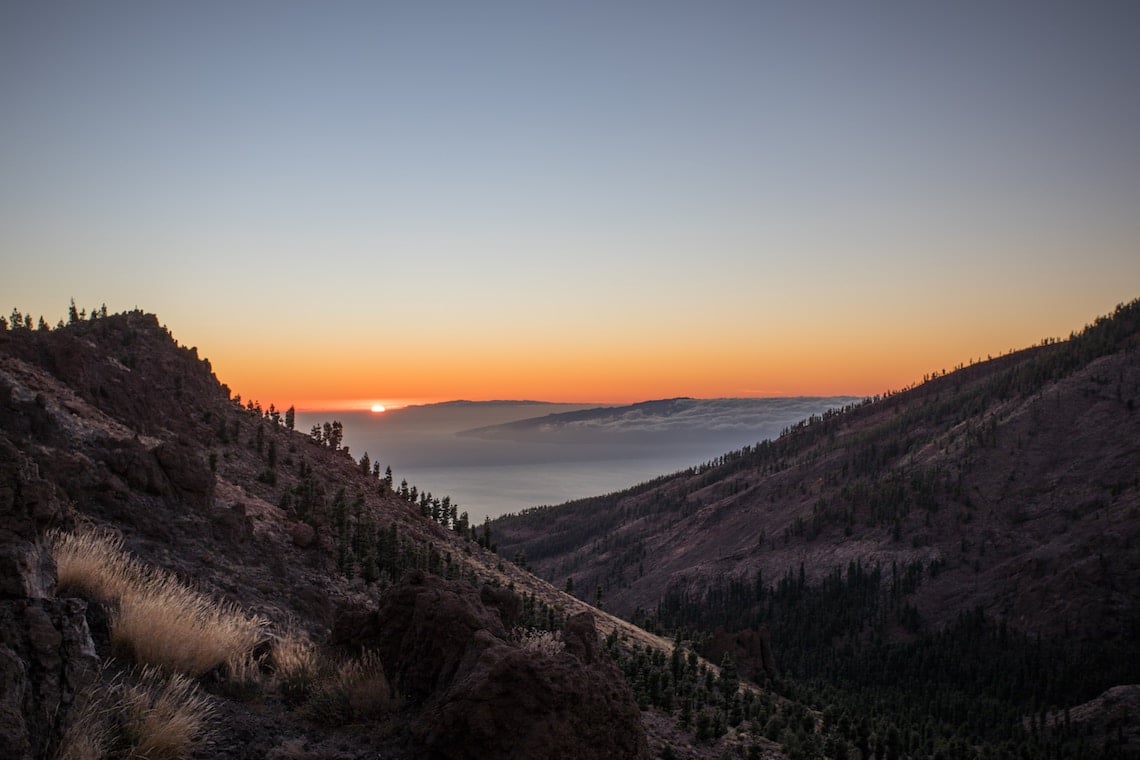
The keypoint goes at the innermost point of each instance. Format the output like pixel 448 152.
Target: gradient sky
pixel 348 202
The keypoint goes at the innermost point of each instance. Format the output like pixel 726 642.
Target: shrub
pixel 540 642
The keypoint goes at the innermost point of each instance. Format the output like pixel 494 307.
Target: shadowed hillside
pixel 998 502
pixel 182 574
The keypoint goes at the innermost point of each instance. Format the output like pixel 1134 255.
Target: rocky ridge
pixel 111 423
pixel 1015 479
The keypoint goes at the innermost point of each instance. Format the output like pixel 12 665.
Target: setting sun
pixel 377 408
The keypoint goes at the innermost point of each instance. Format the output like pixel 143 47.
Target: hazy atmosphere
pixel 598 202
pixel 499 457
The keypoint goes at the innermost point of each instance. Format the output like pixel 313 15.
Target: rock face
pixel 47 659
pixel 46 655
pixel 483 696
pixel 750 648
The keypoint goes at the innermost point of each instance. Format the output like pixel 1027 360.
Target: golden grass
pixel 294 664
pixel 160 621
pixel 88 736
pixel 167 624
pixel 92 563
pixel 157 718
pixel 365 686
pixel 164 718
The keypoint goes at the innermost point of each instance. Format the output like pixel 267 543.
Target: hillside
pixel 1017 476
pixel 1000 500
pixel 368 622
pixel 355 617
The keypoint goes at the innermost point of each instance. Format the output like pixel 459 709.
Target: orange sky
pixel 590 202
pixel 851 360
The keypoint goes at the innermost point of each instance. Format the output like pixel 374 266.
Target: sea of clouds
pixel 496 457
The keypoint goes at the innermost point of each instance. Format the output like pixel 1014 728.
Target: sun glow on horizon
pixel 377 408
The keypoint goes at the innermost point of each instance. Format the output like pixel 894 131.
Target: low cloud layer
pixel 494 457
pixel 667 421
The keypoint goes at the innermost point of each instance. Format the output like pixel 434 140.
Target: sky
pixel 347 203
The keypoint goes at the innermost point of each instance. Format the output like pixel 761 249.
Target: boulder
pixel 524 705
pixel 482 695
pixel 186 470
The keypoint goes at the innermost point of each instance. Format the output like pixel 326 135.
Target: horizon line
pixel 391 405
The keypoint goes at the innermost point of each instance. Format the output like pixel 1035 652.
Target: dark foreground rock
pixel 47 659
pixel 481 695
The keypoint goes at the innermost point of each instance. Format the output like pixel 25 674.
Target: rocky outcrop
pixel 1114 715
pixel 750 649
pixel 46 661
pixel 423 630
pixel 47 657
pixel 480 694
pixel 519 704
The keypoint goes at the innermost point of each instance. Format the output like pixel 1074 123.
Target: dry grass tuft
pixel 356 690
pixel 540 642
pixel 160 620
pixel 88 736
pixel 295 665
pixel 157 718
pixel 366 687
pixel 92 563
pixel 167 624
pixel 164 718
pixel 245 679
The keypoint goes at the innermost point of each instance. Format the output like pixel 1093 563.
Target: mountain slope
pixel 1012 485
pixel 110 424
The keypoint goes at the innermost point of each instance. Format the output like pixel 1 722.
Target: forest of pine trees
pixel 975 689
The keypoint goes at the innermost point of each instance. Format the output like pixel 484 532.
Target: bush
pixel 548 643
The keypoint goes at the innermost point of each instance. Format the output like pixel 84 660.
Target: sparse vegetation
pixel 156 717
pixel 160 621
pixel 92 564
pixel 294 665
pixel 547 643
pixel 356 689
